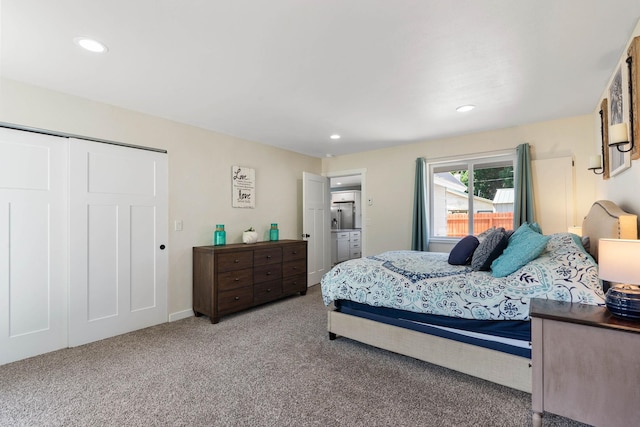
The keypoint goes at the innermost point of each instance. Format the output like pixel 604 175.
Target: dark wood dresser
pixel 230 278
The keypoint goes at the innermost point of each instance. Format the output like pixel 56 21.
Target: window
pixel 482 186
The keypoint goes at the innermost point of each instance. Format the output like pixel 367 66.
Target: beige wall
pixel 200 164
pixel 622 188
pixel 390 172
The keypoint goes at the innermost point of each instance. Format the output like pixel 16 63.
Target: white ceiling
pixel 290 73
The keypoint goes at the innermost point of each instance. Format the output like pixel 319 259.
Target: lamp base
pixel 624 301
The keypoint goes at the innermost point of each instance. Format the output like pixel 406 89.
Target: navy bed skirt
pixel 486 333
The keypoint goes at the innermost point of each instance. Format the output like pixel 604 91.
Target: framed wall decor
pixel 604 137
pixel 634 54
pixel 618 98
pixel 243 187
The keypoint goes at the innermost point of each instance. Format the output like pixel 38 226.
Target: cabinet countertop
pixel 342 230
pixel 585 314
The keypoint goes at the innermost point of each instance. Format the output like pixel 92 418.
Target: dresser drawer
pixel 267 256
pixel 234 261
pixel 267 272
pixel 267 291
pixel 297 266
pixel 292 252
pixel 235 279
pixel 344 235
pixel 294 284
pixel 234 300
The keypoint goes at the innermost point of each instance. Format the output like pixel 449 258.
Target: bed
pixel 417 304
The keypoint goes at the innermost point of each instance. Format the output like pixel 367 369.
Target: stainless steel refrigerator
pixel 343 215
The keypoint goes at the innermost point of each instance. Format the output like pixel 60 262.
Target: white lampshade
pixel 619 260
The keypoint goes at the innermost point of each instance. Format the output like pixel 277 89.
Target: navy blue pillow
pixel 462 253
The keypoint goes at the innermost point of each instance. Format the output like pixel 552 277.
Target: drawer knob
pixel 236 279
pixel 268 273
pixel 268 256
pixel 236 298
pixel 268 289
pixel 236 261
pixel 295 252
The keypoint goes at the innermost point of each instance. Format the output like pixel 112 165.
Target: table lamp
pixel 619 262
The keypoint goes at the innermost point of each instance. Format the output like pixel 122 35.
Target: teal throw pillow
pixel 524 245
pixel 535 227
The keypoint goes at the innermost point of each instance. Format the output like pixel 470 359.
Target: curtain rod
pixel 70 135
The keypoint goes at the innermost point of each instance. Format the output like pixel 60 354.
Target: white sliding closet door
pixel 118 217
pixel 33 244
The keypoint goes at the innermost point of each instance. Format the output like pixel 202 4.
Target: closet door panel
pixel 29 289
pixel 102 258
pixel 119 211
pixel 33 244
pixel 143 265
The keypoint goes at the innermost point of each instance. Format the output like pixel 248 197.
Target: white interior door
pixel 118 212
pixel 316 227
pixel 33 244
pixel 554 211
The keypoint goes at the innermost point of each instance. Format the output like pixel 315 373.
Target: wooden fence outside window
pixel 458 223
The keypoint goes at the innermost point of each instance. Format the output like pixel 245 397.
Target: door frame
pixel 364 200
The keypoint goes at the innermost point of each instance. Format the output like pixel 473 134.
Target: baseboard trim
pixel 180 315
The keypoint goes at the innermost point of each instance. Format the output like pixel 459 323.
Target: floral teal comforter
pixel 425 282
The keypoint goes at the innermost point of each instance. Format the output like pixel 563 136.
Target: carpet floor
pixel 269 366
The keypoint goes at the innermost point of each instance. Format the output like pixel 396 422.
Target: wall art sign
pixel 243 191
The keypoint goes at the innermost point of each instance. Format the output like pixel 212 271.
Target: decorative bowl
pixel 249 236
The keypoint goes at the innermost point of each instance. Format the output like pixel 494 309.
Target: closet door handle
pixel 162 247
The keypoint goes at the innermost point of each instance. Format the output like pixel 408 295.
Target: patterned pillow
pixel 463 251
pixel 485 233
pixel 524 245
pixel 489 249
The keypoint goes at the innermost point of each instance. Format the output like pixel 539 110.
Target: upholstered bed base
pixel 604 220
pixel 502 368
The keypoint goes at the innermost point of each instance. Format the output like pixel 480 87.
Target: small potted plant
pixel 250 236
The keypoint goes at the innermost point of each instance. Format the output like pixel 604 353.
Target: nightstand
pixel 586 364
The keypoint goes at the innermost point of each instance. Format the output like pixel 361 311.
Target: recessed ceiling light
pixel 328 155
pixel 90 44
pixel 335 136
pixel 465 108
